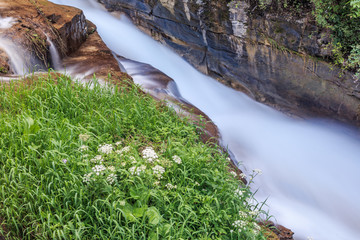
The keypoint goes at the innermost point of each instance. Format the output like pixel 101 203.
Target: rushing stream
pixel 310 168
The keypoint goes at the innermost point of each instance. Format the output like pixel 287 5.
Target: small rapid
pixel 310 167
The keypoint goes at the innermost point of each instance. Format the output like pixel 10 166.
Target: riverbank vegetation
pixel 341 17
pixel 109 162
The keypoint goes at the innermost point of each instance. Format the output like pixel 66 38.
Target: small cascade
pixel 20 62
pixel 17 57
pixel 55 56
pixel 7 22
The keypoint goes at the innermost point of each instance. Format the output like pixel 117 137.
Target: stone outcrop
pixel 274 59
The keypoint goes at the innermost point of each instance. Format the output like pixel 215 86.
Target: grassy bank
pixel 91 162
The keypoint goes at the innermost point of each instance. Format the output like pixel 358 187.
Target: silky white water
pixel 55 57
pixel 310 168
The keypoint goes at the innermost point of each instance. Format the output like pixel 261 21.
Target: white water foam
pixel 310 168
pixel 6 22
pixel 55 56
pixel 17 57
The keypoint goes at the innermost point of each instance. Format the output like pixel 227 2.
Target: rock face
pixel 274 59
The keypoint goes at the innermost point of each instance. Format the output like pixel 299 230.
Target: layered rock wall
pixel 275 59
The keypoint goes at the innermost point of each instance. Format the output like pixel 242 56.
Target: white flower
pixel 111 178
pixel 123 150
pixel 118 143
pixel 133 160
pixel 149 154
pixel 170 186
pixel 106 148
pixel 84 137
pixel 99 169
pixel 256 229
pixel 239 224
pixel 243 214
pixel 157 183
pixel 87 178
pixel 197 184
pixel 83 148
pixel 97 159
pixel 239 193
pixel 254 213
pixel 233 173
pixel 242 175
pixel 122 203
pixel 228 159
pixel 111 168
pixel 137 170
pixel 257 171
pixel 176 159
pixel 158 171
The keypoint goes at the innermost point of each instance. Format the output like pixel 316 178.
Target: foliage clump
pixel 101 162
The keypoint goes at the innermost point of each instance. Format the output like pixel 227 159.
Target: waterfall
pixel 55 57
pixel 310 167
pixel 17 56
pixel 6 22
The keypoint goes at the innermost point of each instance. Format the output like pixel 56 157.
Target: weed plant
pixel 99 162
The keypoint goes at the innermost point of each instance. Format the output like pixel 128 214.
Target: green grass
pixel 50 134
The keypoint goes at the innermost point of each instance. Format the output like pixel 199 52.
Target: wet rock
pixel 281 232
pixel 4 63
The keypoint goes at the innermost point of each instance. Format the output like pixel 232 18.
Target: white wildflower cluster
pixel 242 175
pixel 97 159
pixel 228 159
pixel 149 154
pixel 250 201
pixel 111 168
pixel 157 183
pixel 256 228
pixel 239 224
pixel 87 178
pixel 234 174
pixel 111 178
pixel 243 214
pixel 254 213
pixel 239 192
pixel 158 171
pixel 118 143
pixel 84 137
pixel 176 159
pixel 105 148
pixel 133 160
pixel 170 186
pixel 257 171
pixel 99 169
pixel 137 170
pixel 83 148
pixel 123 150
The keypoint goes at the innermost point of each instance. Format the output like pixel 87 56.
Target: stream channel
pixel 311 168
